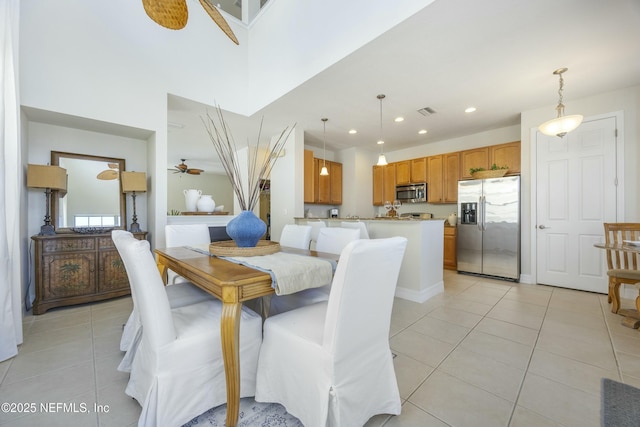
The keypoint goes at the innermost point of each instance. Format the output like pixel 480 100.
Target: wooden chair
pixel 622 265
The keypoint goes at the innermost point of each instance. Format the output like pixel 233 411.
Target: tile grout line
pixel 95 374
pixel 449 353
pixel 526 370
pixel 613 348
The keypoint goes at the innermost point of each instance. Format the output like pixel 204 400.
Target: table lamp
pixel 132 182
pixel 49 178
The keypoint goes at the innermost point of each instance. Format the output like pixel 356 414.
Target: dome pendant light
pixel 562 124
pixel 382 160
pixel 324 171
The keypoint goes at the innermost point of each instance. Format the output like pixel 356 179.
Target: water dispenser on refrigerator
pixel 468 213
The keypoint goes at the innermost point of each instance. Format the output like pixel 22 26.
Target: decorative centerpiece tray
pixel 229 248
pixel 490 173
pixel 205 213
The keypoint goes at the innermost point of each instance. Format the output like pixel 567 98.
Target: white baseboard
pixel 526 279
pixel 422 295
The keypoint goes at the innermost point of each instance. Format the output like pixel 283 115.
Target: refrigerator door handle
pixel 483 202
pixel 479 214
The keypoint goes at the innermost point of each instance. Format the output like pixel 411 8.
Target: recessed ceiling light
pixel 398 119
pixel 380 142
pixel 422 131
pixel 353 131
pixel 470 110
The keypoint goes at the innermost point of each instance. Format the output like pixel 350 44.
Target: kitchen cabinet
pixel 335 176
pixel 328 188
pixel 309 193
pixel 403 172
pixel 384 184
pixel 506 155
pixel 442 178
pixel 476 158
pixel 419 170
pixel 450 261
pixel 411 171
pixel 77 268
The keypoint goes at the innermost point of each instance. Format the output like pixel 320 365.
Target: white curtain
pixel 10 183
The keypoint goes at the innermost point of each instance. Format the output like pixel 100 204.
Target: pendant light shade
pixel 562 124
pixel 324 171
pixel 382 160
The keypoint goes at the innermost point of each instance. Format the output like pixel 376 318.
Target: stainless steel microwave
pixel 412 193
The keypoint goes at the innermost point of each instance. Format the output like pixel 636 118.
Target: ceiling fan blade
pixel 172 14
pixel 219 19
pixel 194 171
pixel 107 175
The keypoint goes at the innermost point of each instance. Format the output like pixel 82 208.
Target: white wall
pixel 287 184
pixel 218 186
pixel 293 35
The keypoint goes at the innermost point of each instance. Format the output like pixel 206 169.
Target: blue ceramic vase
pixel 246 229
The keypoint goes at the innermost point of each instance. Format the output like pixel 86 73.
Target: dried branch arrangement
pixel 259 166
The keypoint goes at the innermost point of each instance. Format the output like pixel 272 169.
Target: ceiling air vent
pixel 426 111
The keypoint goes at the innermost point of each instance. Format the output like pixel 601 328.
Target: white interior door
pixel 576 194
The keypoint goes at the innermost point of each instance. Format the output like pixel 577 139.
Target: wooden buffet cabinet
pixel 77 268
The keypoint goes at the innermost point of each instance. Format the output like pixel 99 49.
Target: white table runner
pixel 289 272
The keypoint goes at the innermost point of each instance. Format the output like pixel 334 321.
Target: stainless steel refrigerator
pixel 488 237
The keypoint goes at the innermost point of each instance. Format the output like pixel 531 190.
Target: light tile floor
pixel 483 353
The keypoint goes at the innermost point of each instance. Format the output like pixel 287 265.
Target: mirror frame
pixel 55 160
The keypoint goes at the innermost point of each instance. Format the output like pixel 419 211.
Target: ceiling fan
pixel 173 14
pixel 109 174
pixel 183 168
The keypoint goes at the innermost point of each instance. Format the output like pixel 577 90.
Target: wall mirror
pixel 93 198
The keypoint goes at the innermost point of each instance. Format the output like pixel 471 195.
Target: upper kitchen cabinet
pixel 384 184
pixel 442 178
pixel 476 158
pixel 335 176
pixel 403 172
pixel 411 171
pixel 506 155
pixel 327 189
pixel 309 193
pixel 419 170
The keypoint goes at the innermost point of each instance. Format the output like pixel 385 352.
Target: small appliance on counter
pixel 334 213
pixel 417 215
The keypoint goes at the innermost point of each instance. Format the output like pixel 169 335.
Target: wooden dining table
pixel 232 284
pixel 632 316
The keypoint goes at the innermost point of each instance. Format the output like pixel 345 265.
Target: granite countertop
pixel 382 218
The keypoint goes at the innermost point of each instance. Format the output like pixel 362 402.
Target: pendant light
pixel 562 124
pixel 382 160
pixel 324 171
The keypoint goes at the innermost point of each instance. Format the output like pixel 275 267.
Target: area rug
pixel 252 414
pixel 620 404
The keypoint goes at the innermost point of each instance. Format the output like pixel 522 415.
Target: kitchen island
pixel 421 273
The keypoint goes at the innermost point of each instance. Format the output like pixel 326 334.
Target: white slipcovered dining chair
pixel 180 293
pixel 178 370
pixel 331 240
pixel 364 233
pixel 329 363
pixel 316 226
pixel 334 239
pixel 296 236
pixel 184 235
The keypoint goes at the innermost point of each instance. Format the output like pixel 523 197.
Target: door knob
pixel 542 227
